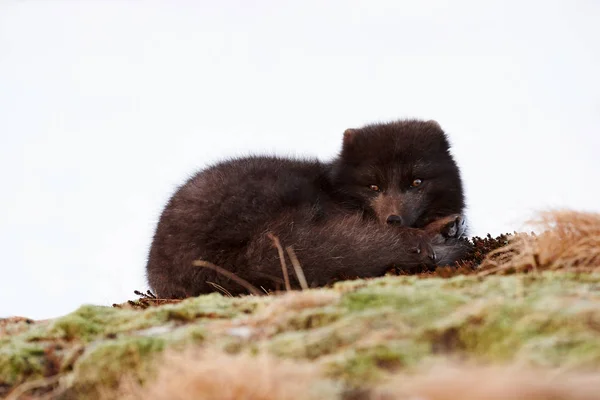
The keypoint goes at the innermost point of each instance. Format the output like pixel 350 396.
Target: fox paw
pixel 425 251
pixel 455 228
pixel 447 230
pixel 424 256
pixel 448 242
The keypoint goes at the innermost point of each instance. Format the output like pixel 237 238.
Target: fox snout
pixel 394 220
pixel 394 210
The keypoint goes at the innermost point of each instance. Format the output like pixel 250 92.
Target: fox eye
pixel 375 188
pixel 416 182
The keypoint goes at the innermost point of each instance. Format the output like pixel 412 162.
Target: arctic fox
pixel 393 197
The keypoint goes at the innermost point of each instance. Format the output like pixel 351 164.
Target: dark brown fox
pixel 392 198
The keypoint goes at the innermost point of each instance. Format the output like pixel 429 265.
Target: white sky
pixel 105 106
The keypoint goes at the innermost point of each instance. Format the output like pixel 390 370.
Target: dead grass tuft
pixel 444 382
pixel 569 240
pixel 211 375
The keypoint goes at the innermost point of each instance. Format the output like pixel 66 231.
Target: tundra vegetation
pixel 518 318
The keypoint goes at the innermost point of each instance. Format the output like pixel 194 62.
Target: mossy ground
pixel 358 332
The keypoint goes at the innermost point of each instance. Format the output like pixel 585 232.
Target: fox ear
pixel 349 135
pixel 435 124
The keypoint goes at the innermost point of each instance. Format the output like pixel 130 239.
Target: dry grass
pixel 200 375
pixel 213 375
pixel 284 271
pixel 14 325
pixel 42 386
pixel 297 268
pixel 242 282
pixel 444 382
pixel 569 240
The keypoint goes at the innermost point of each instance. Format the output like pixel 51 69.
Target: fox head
pixel 400 173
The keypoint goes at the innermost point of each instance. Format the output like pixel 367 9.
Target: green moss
pixel 377 326
pixel 417 304
pixel 19 361
pixel 103 365
pixel 211 306
pixel 87 323
pixel 335 337
pixel 187 335
pixel 508 331
pixel 368 365
pixel 311 318
pixel 300 345
pixel 546 320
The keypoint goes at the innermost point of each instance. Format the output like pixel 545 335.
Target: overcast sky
pixel 106 106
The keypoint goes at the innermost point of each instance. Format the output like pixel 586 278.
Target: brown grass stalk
pixel 242 282
pixel 277 245
pixel 297 267
pixel 220 288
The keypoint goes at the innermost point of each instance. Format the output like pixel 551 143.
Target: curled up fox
pixel 393 197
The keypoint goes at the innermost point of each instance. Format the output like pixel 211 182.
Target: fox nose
pixel 394 220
